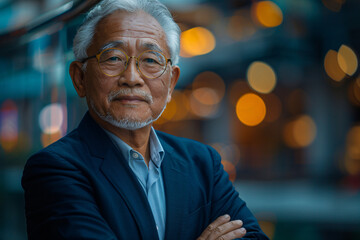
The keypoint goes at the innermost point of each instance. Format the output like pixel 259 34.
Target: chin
pixel 127 123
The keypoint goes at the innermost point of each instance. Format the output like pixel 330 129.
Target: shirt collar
pixel 156 150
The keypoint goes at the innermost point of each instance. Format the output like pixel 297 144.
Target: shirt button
pixel 135 155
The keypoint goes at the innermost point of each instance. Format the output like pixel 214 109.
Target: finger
pixel 225 228
pixel 219 221
pixel 237 233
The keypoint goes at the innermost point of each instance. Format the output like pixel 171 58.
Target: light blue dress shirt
pixel 150 178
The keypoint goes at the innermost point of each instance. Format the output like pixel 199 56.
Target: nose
pixel 131 76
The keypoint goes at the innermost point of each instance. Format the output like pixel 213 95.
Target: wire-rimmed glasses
pixel 113 62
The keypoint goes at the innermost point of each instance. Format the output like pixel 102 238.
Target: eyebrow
pixel 151 46
pixel 113 44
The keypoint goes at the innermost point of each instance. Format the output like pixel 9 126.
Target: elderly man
pixel 115 177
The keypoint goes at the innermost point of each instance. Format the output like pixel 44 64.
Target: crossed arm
pixel 236 220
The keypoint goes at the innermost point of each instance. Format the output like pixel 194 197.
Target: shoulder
pixel 188 150
pixel 62 151
pixel 183 143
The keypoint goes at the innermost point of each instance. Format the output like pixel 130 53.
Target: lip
pixel 130 99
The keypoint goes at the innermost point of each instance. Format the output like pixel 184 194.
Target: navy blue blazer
pixel 81 188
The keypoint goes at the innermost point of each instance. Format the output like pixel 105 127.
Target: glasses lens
pixel 152 64
pixel 112 62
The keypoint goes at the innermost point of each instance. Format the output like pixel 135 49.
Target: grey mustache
pixel 128 91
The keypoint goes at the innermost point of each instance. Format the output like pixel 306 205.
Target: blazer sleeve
pixel 225 200
pixel 59 202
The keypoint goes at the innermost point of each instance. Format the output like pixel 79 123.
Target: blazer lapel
pixel 175 183
pixel 117 171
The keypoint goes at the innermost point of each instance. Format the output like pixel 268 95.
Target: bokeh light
pixel 332 67
pixel 200 109
pixel 300 132
pixel 250 109
pixel 228 152
pixel 261 77
pixel 177 109
pixel 352 159
pixel 268 228
pixel 9 125
pixel 354 92
pixel 230 169
pixel 357 89
pixel 206 96
pixel 208 87
pixel 347 60
pixel 240 26
pixel 333 5
pixel 267 13
pixel 51 118
pixel 170 111
pixel 49 138
pixel 196 41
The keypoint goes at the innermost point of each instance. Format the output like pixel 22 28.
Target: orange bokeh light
pixel 347 60
pixel 300 132
pixel 352 159
pixel 251 109
pixel 49 138
pixel 196 41
pixel 332 67
pixel 211 84
pixel 267 13
pixel 230 169
pixel 240 26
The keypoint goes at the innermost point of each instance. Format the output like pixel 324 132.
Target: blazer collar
pixel 117 171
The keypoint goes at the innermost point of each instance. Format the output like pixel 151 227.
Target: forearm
pixel 226 201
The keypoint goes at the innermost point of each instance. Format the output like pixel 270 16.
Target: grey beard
pixel 129 124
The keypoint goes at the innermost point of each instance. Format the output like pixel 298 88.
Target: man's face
pixel 141 99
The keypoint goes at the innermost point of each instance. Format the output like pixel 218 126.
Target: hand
pixel 223 229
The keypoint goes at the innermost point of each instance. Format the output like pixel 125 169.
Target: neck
pixel 138 139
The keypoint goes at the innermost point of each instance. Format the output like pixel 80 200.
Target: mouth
pixel 130 99
pixel 130 96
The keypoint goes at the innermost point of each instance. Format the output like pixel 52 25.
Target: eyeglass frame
pixel 97 56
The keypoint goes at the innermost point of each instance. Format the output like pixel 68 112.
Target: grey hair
pixel 159 11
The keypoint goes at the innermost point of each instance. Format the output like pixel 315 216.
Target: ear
pixel 175 74
pixel 77 77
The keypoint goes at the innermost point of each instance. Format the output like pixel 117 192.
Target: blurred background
pixel 274 86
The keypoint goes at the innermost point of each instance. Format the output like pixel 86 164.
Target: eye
pixel 150 61
pixel 114 59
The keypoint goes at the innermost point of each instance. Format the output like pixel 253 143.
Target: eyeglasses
pixel 113 62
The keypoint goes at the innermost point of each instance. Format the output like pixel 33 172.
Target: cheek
pixel 98 89
pixel 160 94
pixel 162 89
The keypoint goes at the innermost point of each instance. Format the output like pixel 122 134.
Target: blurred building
pixel 274 86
